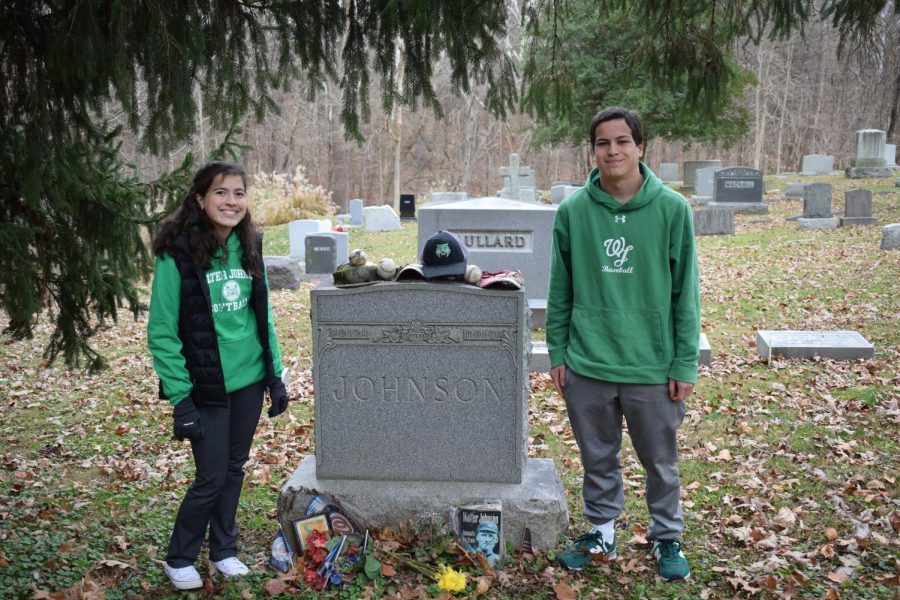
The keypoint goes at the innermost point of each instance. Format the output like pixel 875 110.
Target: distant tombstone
pixel 528 195
pixel 817 207
pixel 890 237
pixel 514 178
pixel 814 164
pixel 282 272
pixel 568 191
pixel 890 155
pixel 668 172
pixel 857 208
pixel 714 221
pixel 705 179
pixel 739 188
pixel 442 197
pixel 689 172
pixel 407 206
pixel 817 201
pixel 793 189
pixel 342 244
pixel 869 160
pixel 837 345
pixel 298 230
pixel 498 234
pixel 356 212
pixel 381 218
pixel 321 254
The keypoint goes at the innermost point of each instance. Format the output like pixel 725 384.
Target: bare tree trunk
pixel 785 93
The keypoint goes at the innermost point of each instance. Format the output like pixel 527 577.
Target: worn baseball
pixel 473 274
pixel 386 269
pixel 358 257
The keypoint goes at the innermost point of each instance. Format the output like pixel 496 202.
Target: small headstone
pixel 890 237
pixel 793 189
pixel 381 218
pixel 817 201
pixel 563 192
pixel 890 155
pixel 407 206
pixel 739 188
pixel 282 272
pixel 668 172
pixel 442 197
pixel 869 160
pixel 321 254
pixel 716 220
pixel 356 212
pixel 689 171
pixel 342 244
pixel 705 179
pixel 298 230
pixel 838 345
pixel 814 164
pixel 528 195
pixel 858 208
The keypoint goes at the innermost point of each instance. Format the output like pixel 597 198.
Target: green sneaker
pixel 672 563
pixel 585 549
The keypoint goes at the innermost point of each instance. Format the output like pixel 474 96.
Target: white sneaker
pixel 231 567
pixel 184 578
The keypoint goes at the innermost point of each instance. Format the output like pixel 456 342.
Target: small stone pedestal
pixel 537 503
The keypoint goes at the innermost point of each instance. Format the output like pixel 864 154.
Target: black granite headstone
pixel 321 254
pixel 738 184
pixel 407 206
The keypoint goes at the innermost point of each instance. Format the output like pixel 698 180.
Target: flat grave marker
pixel 836 344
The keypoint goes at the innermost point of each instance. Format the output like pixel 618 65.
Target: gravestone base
pixel 539 502
pixel 845 221
pixel 753 208
pixel 823 223
pixel 539 358
pixel 700 200
pixel 838 345
pixel 866 172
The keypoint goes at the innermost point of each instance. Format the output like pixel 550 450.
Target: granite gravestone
pixel 715 220
pixel 890 237
pixel 815 164
pixel 421 403
pixel 838 345
pixel 793 189
pixel 739 188
pixel 858 208
pixel 705 181
pixel 689 171
pixel 561 192
pixel 668 172
pixel 869 160
pixel 817 207
pixel 407 206
pixel 518 181
pixel 499 234
pixel 356 212
pixel 298 230
pixel 321 254
pixel 381 218
pixel 890 155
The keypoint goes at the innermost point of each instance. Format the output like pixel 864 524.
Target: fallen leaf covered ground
pixel 789 469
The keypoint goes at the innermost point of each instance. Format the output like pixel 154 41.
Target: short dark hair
pixel 617 112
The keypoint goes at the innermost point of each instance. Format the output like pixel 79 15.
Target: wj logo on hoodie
pixel 617 248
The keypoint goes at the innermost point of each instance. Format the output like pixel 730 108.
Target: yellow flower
pixel 451 581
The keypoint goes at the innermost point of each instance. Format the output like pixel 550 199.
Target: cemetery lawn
pixel 789 470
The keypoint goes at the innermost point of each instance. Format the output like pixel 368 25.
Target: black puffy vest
pixel 197 331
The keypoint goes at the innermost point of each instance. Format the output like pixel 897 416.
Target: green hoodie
pixel 624 299
pixel 239 347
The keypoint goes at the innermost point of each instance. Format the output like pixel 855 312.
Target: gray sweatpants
pixel 595 410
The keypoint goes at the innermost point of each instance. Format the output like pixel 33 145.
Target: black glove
pixel 279 396
pixel 186 421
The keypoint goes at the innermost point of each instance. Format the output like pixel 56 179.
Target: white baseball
pixel 473 274
pixel 386 269
pixel 358 257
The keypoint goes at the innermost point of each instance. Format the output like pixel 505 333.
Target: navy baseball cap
pixel 444 256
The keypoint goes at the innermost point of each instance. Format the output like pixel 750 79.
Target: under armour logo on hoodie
pixel 620 218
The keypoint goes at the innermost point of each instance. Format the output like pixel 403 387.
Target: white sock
pixel 607 530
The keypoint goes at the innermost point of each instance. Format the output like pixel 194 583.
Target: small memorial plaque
pixel 837 344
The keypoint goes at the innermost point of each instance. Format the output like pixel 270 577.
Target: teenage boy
pixel 623 329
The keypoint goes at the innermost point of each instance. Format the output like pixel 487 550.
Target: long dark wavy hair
pixel 192 221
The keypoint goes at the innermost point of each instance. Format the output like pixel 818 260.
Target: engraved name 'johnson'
pixel 418 389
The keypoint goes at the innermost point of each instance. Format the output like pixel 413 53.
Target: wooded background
pixel 806 100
